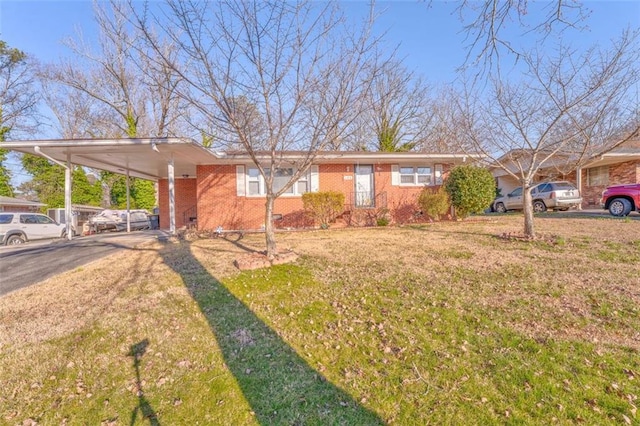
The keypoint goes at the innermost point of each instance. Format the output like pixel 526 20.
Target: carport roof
pixel 145 158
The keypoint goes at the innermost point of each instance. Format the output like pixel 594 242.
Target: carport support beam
pixel 128 204
pixel 67 198
pixel 172 197
pixel 579 183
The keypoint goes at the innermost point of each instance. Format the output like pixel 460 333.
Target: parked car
pixel 20 227
pixel 621 200
pixel 544 196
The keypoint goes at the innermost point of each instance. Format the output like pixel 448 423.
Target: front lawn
pixel 446 323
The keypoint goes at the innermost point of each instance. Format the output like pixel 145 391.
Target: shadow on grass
pixel 280 387
pixel 144 408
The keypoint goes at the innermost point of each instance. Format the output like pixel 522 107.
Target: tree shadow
pixel 279 386
pixel 144 408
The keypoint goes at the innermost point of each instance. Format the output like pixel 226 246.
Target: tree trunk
pixel 527 208
pixel 268 228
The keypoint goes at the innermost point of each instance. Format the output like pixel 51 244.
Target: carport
pixel 145 158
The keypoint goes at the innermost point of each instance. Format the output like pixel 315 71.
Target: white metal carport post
pixel 172 197
pixel 128 205
pixel 67 198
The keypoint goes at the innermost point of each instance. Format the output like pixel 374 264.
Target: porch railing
pixel 190 216
pixel 367 200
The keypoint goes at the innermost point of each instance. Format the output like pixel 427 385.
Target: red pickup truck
pixel 621 200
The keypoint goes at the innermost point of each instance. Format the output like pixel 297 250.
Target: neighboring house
pixel 19 205
pixel 230 192
pixel 617 166
pixel 517 160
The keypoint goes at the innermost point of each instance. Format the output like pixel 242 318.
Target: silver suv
pixel 20 227
pixel 544 196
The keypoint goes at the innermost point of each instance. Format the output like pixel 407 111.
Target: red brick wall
pixel 619 174
pixel 185 196
pixel 218 205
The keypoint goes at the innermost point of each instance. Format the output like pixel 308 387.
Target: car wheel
pixel 500 208
pixel 539 206
pixel 620 207
pixel 15 239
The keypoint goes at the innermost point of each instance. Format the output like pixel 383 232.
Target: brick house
pixel 618 166
pixel 202 188
pixel 229 191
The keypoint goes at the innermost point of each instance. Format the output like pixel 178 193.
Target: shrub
pixel 471 189
pixel 324 206
pixel 434 203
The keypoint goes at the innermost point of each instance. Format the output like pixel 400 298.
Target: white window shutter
pixel 395 174
pixel 314 178
pixel 240 181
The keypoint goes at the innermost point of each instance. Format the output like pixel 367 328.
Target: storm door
pixel 364 191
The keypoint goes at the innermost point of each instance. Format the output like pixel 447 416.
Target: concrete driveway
pixel 29 263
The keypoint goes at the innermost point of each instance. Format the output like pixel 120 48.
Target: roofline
pixel 338 156
pixel 95 142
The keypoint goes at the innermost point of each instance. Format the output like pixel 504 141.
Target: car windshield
pixel 563 185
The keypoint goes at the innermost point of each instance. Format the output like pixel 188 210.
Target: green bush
pixel 382 221
pixel 471 189
pixel 324 206
pixel 434 203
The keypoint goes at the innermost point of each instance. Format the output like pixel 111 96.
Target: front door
pixel 364 193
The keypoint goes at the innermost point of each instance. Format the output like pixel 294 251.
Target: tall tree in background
pixel 397 112
pixel 300 65
pixel 47 183
pixel 118 91
pixel 18 99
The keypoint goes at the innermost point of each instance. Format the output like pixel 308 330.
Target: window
pixel 545 187
pixel 5 218
pixel 415 175
pixel 28 218
pixel 254 181
pixel 256 185
pixel 516 192
pixel 280 179
pixel 598 176
pixel 44 219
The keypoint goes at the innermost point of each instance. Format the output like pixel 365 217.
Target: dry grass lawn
pixel 443 323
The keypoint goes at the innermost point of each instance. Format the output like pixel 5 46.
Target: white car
pixel 20 227
pixel 544 196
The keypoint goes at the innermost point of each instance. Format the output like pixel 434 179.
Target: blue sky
pixel 429 34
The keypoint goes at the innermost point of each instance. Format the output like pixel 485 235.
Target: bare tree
pixel 561 111
pixel 298 67
pixel 120 89
pixel 487 23
pixel 125 90
pixel 397 114
pixel 18 92
pixel 18 100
